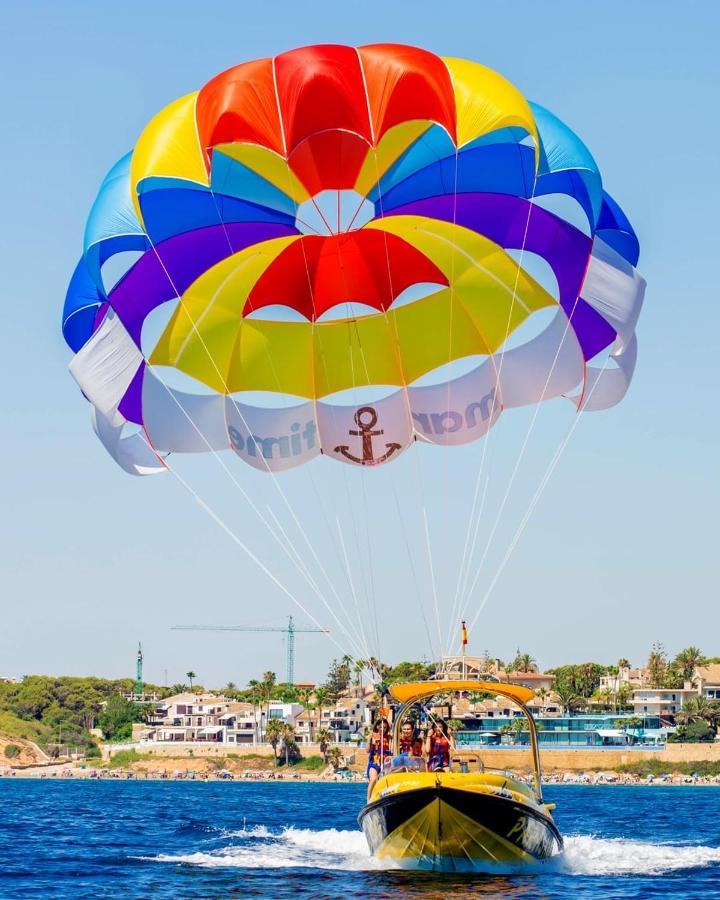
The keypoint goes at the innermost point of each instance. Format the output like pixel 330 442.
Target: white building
pixel 625 676
pixel 662 702
pixel 707 681
pixel 347 720
pixel 191 718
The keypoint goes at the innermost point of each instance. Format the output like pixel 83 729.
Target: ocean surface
pixel 192 839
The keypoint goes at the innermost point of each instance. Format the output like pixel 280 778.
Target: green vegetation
pixel 312 763
pixel 116 719
pixel 12 750
pixel 335 757
pixel 523 662
pixel 409 671
pixel 692 733
pixel 579 680
pixel 663 673
pixel 58 713
pixel 246 756
pixel 125 758
pixel 15 727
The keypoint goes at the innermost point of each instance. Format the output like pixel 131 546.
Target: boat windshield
pixel 406 763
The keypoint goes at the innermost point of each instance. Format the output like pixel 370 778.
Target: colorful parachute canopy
pixel 340 218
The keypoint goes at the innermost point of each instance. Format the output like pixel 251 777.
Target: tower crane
pixel 291 630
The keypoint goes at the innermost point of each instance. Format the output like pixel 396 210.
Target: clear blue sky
pixel 622 549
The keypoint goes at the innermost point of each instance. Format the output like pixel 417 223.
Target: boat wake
pixel 260 848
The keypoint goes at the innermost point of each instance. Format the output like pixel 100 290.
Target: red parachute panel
pixel 321 88
pixel 316 273
pixel 406 83
pixel 240 105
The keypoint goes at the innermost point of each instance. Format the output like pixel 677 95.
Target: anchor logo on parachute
pixel 366 419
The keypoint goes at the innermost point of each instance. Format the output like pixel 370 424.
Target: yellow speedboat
pixel 466 817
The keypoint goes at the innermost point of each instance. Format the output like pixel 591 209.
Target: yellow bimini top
pixel 417 690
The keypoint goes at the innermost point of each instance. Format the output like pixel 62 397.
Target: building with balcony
pixel 663 703
pixel 189 717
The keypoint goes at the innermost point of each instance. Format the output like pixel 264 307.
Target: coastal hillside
pixel 19 741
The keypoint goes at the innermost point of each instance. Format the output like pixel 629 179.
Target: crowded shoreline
pixel 74 773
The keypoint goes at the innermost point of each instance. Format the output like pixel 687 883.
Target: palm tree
pixel 335 757
pixel 519 724
pixel 230 687
pixel 623 695
pixel 699 709
pixel 267 686
pixel 273 734
pixel 374 666
pixel 178 688
pixel 380 689
pixel 190 676
pixel 604 697
pixel 322 699
pixel 348 661
pixel 523 662
pixel 255 697
pixel 687 661
pixel 568 698
pixel 528 663
pixel 623 663
pixel 289 742
pixel 305 698
pixel 324 738
pixel 542 694
pixel 358 670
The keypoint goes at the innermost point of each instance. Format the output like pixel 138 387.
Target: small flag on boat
pixel 464 634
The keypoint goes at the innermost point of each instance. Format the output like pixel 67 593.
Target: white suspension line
pixel 354 639
pixel 552 465
pixel 321 506
pixel 222 463
pixel 416 584
pixel 432 571
pixel 487 438
pixel 418 467
pixel 248 499
pixel 303 531
pixel 468 551
pixel 370 567
pixel 367 651
pixel 521 456
pixel 231 534
pixel 450 622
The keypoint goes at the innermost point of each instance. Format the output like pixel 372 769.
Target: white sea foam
pixel 291 848
pixel 585 855
pixel 259 848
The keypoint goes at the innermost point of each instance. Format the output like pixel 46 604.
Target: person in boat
pixel 378 751
pixel 410 740
pixel 438 747
pixel 410 747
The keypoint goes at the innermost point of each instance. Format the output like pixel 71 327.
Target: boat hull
pixel 448 829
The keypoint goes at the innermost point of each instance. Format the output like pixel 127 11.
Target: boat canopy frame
pixel 410 693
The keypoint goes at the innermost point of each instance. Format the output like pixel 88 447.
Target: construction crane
pixel 290 631
pixel 139 672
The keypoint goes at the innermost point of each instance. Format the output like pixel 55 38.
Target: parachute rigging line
pixel 227 470
pixel 552 465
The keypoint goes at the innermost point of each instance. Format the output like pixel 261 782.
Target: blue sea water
pixel 195 839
